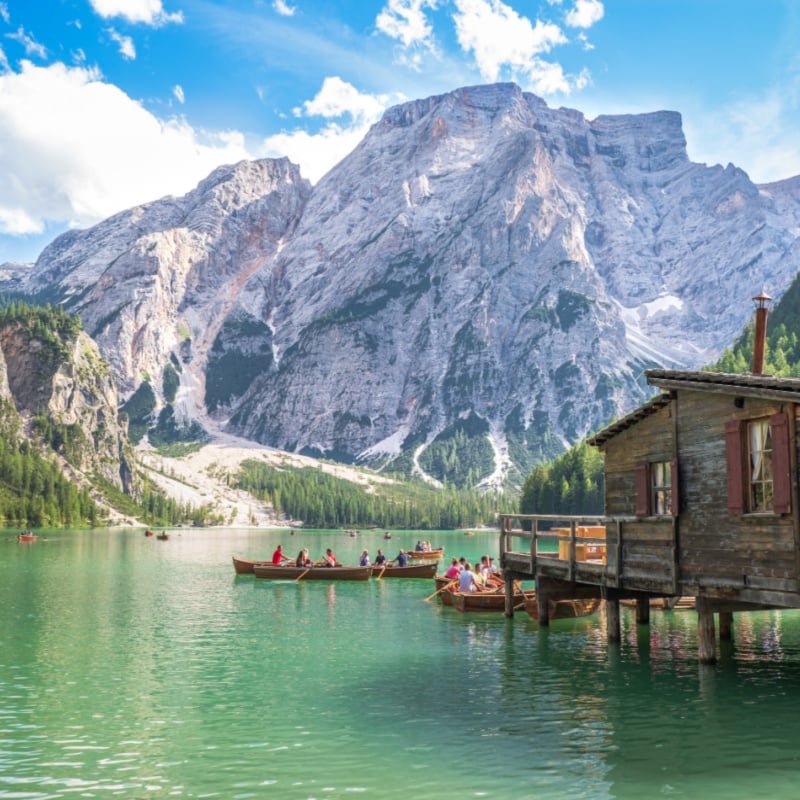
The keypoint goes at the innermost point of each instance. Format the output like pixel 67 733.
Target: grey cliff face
pixel 479 261
pixel 72 387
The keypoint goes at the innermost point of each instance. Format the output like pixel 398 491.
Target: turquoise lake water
pixel 136 668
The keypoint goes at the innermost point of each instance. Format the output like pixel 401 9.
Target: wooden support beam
pixel 509 592
pixel 612 620
pixel 643 611
pixel 543 604
pixel 725 625
pixel 706 640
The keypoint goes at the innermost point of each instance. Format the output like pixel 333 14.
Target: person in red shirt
pixel 329 559
pixel 278 557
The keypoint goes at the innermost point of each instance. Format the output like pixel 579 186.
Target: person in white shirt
pixel 467 581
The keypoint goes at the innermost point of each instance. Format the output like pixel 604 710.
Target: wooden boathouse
pixel 701 500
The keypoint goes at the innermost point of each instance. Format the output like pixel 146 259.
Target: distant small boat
pixel 148 532
pixel 163 536
pixel 27 536
pixel 387 535
pixel 352 533
pixel 411 571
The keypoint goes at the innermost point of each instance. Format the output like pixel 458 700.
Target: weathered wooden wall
pixel 650 439
pixel 717 547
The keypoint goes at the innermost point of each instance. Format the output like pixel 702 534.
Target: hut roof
pixel 650 407
pixel 745 385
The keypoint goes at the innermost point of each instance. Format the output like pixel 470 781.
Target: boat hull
pixel 271 572
pixel 417 555
pixel 482 601
pixel 562 609
pixel 411 571
pixel 244 566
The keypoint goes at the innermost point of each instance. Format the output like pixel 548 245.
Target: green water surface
pixel 136 668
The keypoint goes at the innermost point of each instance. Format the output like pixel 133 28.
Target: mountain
pixel 481 282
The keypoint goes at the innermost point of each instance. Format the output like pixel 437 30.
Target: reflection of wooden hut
pixel 701 499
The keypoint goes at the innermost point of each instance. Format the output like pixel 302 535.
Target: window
pixel 660 487
pixel 759 441
pixel 656 489
pixel 757 453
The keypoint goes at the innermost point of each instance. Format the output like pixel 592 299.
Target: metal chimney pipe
pixel 760 342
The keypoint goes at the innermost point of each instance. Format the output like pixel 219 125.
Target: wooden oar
pixel 381 574
pixel 303 574
pixel 446 586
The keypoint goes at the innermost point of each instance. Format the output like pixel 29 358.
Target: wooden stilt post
pixel 643 610
pixel 706 644
pixel 725 625
pixel 543 605
pixel 612 620
pixel 509 591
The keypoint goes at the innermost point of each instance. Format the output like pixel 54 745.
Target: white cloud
pixel 79 56
pixel 4 65
pixel 317 152
pixel 500 38
pixel 405 21
pixel 584 40
pixel 179 94
pixel 127 48
pixel 110 153
pixel 283 8
pixel 585 13
pixel 32 47
pixel 338 97
pixel 150 12
pixel 4 15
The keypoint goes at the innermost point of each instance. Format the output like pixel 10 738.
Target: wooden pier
pixel 701 500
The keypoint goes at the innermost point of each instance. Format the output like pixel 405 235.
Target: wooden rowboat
pixel 562 609
pixel 411 571
pixel 27 537
pixel 288 573
pixel 245 567
pixel 484 601
pixel 437 554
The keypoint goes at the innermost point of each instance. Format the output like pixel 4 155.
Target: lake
pixel 135 668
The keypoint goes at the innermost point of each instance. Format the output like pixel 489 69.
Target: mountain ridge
pixel 481 268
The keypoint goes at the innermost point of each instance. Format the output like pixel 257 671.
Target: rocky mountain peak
pixel 481 281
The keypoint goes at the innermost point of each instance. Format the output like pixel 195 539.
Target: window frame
pixel 660 493
pixel 764 484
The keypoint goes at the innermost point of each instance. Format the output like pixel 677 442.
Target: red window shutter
pixel 675 495
pixel 642 489
pixel 733 459
pixel 781 470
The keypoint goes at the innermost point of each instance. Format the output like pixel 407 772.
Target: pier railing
pixel 611 551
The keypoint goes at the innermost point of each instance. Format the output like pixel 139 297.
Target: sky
pixel 105 104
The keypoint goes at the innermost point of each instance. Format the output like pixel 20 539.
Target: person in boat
pixel 364 561
pixel 303 559
pixel 493 568
pixel 427 547
pixel 467 580
pixel 402 559
pixel 329 559
pixel 278 557
pixel 454 570
pixel 380 559
pixel 418 546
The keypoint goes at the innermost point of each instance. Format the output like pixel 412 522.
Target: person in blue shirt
pixel 402 559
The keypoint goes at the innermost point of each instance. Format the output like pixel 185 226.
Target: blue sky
pixel 108 103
